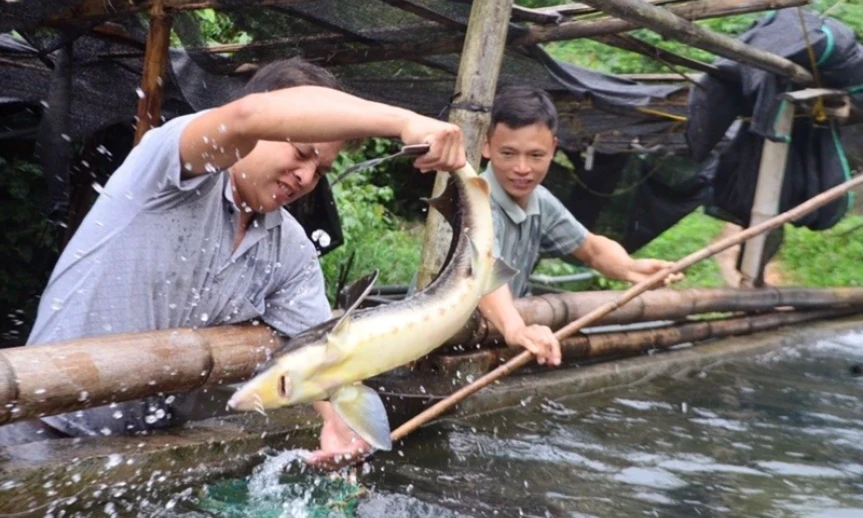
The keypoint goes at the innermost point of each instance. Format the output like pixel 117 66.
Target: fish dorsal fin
pixel 446 202
pixel 356 293
pixel 500 274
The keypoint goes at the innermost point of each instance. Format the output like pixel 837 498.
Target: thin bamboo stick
pixel 656 279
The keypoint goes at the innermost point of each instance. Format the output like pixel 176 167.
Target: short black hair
pixel 520 106
pixel 287 73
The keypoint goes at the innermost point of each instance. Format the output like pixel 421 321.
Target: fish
pixel 329 362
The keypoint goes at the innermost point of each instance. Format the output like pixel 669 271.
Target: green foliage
pixel 598 56
pixel 832 257
pixel 371 232
pixel 28 247
pixel 218 28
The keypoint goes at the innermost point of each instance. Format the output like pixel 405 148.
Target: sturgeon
pixel 329 361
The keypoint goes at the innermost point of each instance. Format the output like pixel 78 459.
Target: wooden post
pixel 155 58
pixel 670 25
pixel 474 92
pixel 771 176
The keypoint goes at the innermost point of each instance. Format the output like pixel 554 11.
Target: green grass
pixel 690 234
pixel 833 257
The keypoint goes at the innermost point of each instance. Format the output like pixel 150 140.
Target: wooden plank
pixel 771 175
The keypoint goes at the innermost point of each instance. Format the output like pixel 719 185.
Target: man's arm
pixel 611 260
pixel 220 137
pixel 499 309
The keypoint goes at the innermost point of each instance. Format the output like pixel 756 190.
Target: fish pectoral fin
pixel 500 274
pixel 364 412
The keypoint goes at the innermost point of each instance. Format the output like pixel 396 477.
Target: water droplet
pixel 105 431
pixel 140 93
pixel 129 195
pixel 117 414
pixel 170 399
pixel 56 304
pixel 113 461
pixel 39 391
pixel 150 419
pixel 222 128
pixel 205 317
pixel 84 396
pixel 99 189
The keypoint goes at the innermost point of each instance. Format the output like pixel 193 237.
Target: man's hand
pixel 641 269
pixel 537 339
pixel 340 446
pixel 446 151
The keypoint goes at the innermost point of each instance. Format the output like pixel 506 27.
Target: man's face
pixel 520 157
pixel 277 173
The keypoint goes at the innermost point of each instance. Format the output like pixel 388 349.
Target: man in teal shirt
pixel 530 221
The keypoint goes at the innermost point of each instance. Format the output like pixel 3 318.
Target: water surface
pixel 780 435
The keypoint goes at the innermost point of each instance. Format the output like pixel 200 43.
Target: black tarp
pixel 816 160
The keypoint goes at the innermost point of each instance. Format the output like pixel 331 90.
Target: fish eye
pixel 284 386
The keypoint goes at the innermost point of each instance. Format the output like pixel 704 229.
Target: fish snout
pixel 242 401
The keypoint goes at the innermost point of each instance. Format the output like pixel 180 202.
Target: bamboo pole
pixel 474 92
pixel 654 280
pixel 666 23
pixel 39 380
pixel 617 344
pixel 155 59
pixel 558 309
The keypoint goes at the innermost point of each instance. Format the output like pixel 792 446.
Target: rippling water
pixel 778 435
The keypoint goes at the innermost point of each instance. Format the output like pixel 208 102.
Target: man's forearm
pixel 222 136
pixel 605 256
pixel 499 308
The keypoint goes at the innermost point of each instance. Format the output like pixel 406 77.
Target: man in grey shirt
pixel 190 231
pixel 530 221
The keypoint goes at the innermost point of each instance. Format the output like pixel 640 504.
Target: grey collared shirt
pixel 156 252
pixel 544 227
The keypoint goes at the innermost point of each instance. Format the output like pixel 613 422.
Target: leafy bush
pixel 28 247
pixel 372 233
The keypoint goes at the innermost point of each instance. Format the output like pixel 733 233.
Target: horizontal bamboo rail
pixel 619 344
pixel 557 310
pixel 76 374
pixel 65 376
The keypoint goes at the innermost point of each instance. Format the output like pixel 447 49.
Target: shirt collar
pixel 271 219
pixel 509 206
